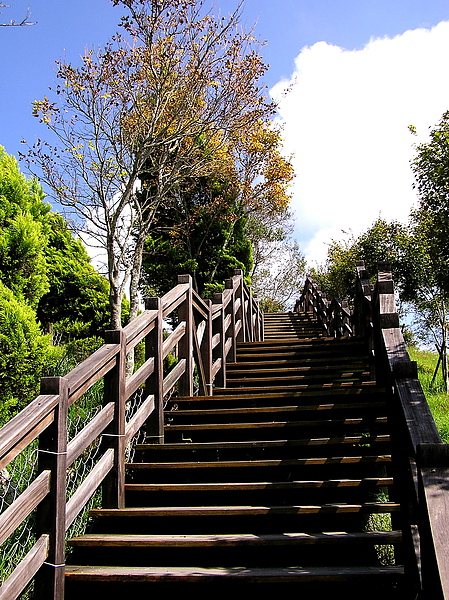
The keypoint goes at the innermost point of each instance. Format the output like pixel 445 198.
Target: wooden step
pixel 264 444
pixel 336 460
pixel 98 540
pixel 260 485
pixel 238 574
pixel 273 479
pixel 244 511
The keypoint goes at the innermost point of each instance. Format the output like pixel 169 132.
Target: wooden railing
pixel 204 337
pixel 421 460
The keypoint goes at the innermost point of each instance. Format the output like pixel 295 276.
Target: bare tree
pixel 21 23
pixel 160 104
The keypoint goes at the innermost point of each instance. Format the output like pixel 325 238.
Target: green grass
pixel 435 393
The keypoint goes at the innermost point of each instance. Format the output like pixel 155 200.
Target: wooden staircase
pixel 284 476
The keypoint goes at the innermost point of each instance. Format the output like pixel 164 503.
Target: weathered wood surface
pixel 200 336
pixel 25 570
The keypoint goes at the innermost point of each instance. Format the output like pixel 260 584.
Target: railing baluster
pixel 50 516
pixel 114 436
pixel 155 383
pixel 185 345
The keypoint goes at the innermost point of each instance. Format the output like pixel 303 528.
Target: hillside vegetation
pixel 435 393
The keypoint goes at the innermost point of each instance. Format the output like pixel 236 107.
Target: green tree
pixel 383 242
pixel 430 167
pixel 76 304
pixel 40 260
pixel 199 235
pixel 25 354
pixel 23 232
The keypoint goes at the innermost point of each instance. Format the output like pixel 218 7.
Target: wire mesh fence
pixel 21 472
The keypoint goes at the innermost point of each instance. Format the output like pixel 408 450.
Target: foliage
pixel 25 354
pixel 77 302
pixel 198 235
pixel 158 106
pixel 430 168
pixel 382 242
pixel 434 388
pixel 23 232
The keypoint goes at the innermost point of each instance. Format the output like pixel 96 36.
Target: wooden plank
pixel 261 485
pixel 249 511
pixel 91 370
pixel 243 574
pixel 139 328
pixel 420 424
pixel 216 366
pixel 113 488
pixel 358 422
pixel 24 505
pixel 25 570
pixel 50 515
pixel 294 462
pixel 215 340
pixel 433 462
pixel 26 440
pixel 363 406
pixel 88 487
pixel 89 433
pixel 172 299
pixel 139 418
pixel 174 375
pixel 234 539
pixel 23 425
pixel 173 339
pixel 323 441
pixel 139 377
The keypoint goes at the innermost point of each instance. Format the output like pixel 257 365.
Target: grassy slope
pixel 437 398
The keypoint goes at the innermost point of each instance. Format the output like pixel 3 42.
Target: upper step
pixel 291 325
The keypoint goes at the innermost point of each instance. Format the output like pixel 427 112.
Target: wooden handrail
pixel 206 335
pixel 422 460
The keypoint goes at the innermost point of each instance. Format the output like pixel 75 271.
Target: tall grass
pixel 435 393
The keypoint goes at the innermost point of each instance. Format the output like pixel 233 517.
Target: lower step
pixel 244 539
pixel 251 575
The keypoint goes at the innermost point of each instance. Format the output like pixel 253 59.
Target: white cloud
pixel 346 120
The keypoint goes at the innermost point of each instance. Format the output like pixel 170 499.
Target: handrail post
pixel 251 317
pixel 186 343
pixel 241 312
pixel 206 350
pixel 155 383
pixel 229 285
pixel 50 517
pixel 220 352
pixel 114 436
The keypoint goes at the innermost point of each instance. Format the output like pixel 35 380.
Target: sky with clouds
pixel 359 72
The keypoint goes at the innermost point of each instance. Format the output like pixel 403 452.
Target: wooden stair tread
pixel 192 574
pixel 287 424
pixel 240 539
pixel 275 409
pixel 260 485
pixel 210 509
pixel 191 511
pixel 331 385
pixel 359 388
pixel 294 462
pixel 349 439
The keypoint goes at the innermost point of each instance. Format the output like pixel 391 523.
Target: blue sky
pixel 362 70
